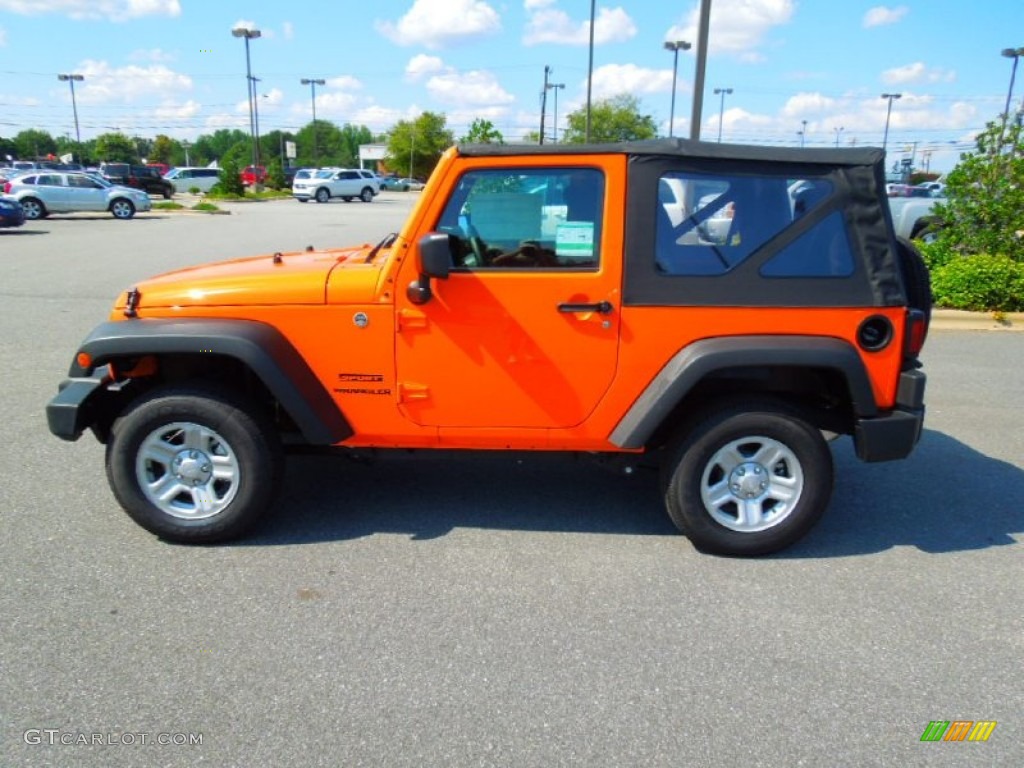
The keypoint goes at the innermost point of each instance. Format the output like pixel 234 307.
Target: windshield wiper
pixel 388 240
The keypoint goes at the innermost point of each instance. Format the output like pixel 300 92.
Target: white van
pixel 185 179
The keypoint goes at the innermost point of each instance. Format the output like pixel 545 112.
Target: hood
pixel 298 277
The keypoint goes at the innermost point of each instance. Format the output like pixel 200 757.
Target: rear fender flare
pixel 691 364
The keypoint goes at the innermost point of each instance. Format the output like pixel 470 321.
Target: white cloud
pixel 173 111
pixel 551 25
pixel 805 105
pixel 106 84
pixel 344 82
pixel 112 10
pixel 917 73
pixel 150 54
pixel 532 5
pixel 880 15
pixel 421 65
pixel 737 26
pixel 439 23
pixel 244 24
pixel 3 37
pixel 613 79
pixel 288 30
pixel 378 118
pixel 477 87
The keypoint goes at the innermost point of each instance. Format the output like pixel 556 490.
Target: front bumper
pixel 893 435
pixel 75 407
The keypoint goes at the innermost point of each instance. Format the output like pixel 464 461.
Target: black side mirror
pixel 434 259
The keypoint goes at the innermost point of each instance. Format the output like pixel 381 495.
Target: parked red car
pixel 254 174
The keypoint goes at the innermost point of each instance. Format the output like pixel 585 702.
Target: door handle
pixel 604 307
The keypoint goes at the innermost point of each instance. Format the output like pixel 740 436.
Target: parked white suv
pixel 346 183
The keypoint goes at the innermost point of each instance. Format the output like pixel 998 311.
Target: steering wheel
pixel 477 245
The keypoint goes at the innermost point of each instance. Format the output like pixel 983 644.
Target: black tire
pixel 182 447
pixel 34 209
pixel 366 195
pixel 750 478
pixel 916 280
pixel 122 208
pixel 323 195
pixel 168 193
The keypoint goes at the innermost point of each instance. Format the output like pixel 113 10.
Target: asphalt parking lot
pixel 440 610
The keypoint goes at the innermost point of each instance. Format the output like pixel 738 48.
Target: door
pixel 85 194
pixel 524 331
pixel 52 192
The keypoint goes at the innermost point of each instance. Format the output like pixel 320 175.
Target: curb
pixel 959 320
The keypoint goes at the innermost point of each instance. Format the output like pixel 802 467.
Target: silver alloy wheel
pixel 122 209
pixel 751 484
pixel 322 195
pixel 33 209
pixel 187 470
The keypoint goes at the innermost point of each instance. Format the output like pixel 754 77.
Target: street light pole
pixel 888 113
pixel 838 131
pixel 675 46
pixel 74 105
pixel 721 109
pixel 1015 54
pixel 250 34
pixel 803 133
pixel 313 83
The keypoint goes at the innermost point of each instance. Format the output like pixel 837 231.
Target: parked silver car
pixel 46 192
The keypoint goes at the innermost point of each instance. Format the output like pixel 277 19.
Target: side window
pixel 82 182
pixel 823 251
pixel 508 219
pixel 348 175
pixel 51 180
pixel 709 225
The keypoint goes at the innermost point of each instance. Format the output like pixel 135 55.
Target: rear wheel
pixel 750 479
pixel 33 209
pixel 194 464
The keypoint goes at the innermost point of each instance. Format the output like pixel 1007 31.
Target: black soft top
pixel 685 148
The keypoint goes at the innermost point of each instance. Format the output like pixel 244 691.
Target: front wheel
pixel 322 195
pixel 366 195
pixel 194 464
pixel 122 209
pixel 750 479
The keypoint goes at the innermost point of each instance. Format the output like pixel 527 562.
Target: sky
pixel 173 66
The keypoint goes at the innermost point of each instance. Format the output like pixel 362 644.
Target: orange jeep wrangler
pixel 719 308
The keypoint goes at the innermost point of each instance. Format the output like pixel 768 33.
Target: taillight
pixel 916 333
pixel 7 188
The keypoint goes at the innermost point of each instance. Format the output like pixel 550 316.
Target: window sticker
pixel 575 239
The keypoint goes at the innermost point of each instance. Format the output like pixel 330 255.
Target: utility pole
pixel 698 77
pixel 544 101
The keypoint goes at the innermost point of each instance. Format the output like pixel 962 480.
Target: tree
pixel 275 174
pixel 482 132
pixel 213 146
pixel 416 146
pixel 230 176
pixel 33 143
pixel 614 119
pixel 115 148
pixel 984 212
pixel 163 150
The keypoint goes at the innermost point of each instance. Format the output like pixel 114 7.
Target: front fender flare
pixel 260 347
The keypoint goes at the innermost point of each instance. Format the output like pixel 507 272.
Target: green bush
pixel 980 283
pixel 936 254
